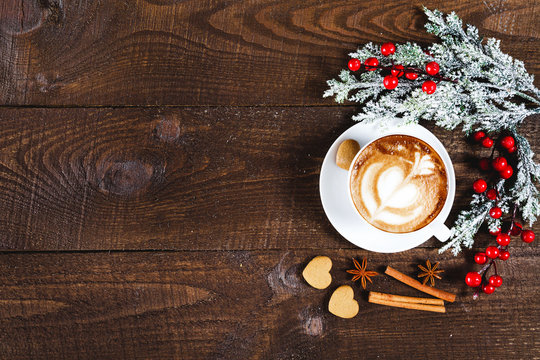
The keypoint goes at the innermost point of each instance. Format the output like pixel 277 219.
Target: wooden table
pixel 159 165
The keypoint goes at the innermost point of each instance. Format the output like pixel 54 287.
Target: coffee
pixel 398 183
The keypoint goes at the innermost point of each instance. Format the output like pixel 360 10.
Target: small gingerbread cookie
pixel 346 152
pixel 342 302
pixel 317 272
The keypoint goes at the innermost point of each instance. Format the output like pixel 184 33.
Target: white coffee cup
pixel 436 227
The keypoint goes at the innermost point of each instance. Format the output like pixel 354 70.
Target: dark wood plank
pixel 75 52
pixel 188 178
pixel 251 305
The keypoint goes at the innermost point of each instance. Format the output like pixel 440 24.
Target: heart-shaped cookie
pixel 346 152
pixel 342 302
pixel 317 272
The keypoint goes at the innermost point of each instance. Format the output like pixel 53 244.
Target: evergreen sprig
pixel 486 90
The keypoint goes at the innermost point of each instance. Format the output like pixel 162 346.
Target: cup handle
pixel 441 232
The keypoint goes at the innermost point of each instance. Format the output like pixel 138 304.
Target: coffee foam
pixel 399 184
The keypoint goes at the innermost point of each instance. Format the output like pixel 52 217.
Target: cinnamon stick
pixel 441 294
pixel 413 306
pixel 405 299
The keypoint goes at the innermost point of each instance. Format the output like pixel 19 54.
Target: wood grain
pixel 187 178
pixel 158 52
pixel 251 305
pixel 136 230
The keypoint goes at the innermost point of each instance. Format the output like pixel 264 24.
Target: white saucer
pixel 333 187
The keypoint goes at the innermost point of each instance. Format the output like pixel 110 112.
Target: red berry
pixel 488 289
pixel 516 229
pixel 495 281
pixel 432 68
pixel 495 232
pixel 504 255
pixel 429 87
pixel 503 239
pixel 388 48
pixel 473 279
pixel 527 236
pixel 487 142
pixel 507 172
pixel 390 82
pixel 495 212
pixel 371 64
pixel 491 194
pixel 354 64
pixel 499 163
pixel 480 258
pixel 507 142
pixel 484 164
pixel 480 186
pixel 492 252
pixel 512 149
pixel 479 135
pixel 411 75
pixel 397 70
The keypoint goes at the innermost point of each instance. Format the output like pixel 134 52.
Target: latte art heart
pixel 398 183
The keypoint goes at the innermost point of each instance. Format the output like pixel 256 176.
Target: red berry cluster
pixel 396 71
pixel 479 279
pixel 500 164
pixel 501 167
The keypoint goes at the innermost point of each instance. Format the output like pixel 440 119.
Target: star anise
pixel 430 273
pixel 361 273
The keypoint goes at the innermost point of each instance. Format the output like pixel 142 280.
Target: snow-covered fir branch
pixel 483 89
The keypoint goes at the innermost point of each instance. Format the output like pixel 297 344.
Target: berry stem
pixel 437 76
pixel 495 146
pixel 513 219
pixel 488 265
pixel 408 69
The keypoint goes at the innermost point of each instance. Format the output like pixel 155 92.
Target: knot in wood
pixel 22 16
pixel 167 129
pixel 127 177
